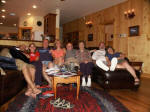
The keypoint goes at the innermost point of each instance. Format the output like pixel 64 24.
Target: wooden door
pixel 109 34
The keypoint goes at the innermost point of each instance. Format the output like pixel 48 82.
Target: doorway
pixel 25 33
pixel 109 34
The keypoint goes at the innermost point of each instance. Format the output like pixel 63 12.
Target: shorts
pixel 121 60
pixel 20 64
pixel 45 63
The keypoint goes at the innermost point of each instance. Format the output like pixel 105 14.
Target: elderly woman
pixel 85 61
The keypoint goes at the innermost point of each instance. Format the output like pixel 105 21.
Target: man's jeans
pixel 7 63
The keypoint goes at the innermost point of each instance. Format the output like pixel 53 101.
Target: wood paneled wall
pixel 136 48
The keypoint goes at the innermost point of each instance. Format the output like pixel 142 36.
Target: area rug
pixel 90 100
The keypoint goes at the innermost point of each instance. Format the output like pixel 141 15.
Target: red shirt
pixel 33 56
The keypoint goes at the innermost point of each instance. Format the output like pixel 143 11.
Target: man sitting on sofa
pixel 101 59
pixel 14 58
pixel 45 58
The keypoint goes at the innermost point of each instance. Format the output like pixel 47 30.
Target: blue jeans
pixel 7 63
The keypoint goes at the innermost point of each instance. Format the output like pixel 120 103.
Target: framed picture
pixel 90 37
pixel 134 30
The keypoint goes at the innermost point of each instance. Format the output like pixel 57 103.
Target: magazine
pixel 63 74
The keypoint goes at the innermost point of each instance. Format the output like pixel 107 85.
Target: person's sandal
pixel 28 92
pixel 60 104
pixel 56 101
pixel 67 105
pixel 36 91
pixel 136 81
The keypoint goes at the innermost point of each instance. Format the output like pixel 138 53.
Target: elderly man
pixel 45 58
pixel 45 55
pixel 70 56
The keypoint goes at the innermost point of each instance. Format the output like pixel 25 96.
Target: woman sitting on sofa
pixel 122 63
pixel 85 61
pixel 58 53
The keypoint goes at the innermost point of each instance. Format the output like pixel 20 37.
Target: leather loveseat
pixel 118 79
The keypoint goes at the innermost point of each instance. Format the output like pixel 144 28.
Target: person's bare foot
pixel 36 91
pixel 136 81
pixel 37 86
pixel 33 95
pixel 28 92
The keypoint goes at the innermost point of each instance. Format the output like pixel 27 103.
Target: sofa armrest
pixel 136 65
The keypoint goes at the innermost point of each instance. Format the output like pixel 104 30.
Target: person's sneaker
pixel 83 81
pixel 114 62
pixel 89 82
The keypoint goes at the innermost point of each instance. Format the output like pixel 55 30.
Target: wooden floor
pixel 135 101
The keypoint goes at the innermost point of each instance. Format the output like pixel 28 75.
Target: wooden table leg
pixel 53 83
pixel 70 87
pixel 54 87
pixel 78 86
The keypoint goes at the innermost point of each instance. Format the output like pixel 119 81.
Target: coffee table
pixel 65 80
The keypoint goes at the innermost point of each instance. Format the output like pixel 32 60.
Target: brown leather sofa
pixel 10 84
pixel 118 79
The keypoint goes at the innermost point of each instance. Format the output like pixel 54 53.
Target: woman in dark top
pixel 122 63
pixel 85 61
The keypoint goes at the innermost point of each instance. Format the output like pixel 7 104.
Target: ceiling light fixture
pixel 28 14
pixel 3 1
pixel 1 23
pixel 34 6
pixel 3 10
pixel 3 16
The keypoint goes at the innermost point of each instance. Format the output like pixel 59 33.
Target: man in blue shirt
pixel 45 55
pixel 45 58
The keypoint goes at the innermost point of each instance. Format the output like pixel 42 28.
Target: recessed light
pixel 1 23
pixel 3 16
pixel 12 14
pixel 34 6
pixel 3 1
pixel 28 14
pixel 15 24
pixel 3 10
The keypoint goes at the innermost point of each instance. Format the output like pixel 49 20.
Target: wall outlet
pixel 123 35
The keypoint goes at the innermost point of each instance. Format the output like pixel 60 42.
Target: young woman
pixel 85 61
pixel 34 54
pixel 122 63
pixel 59 53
